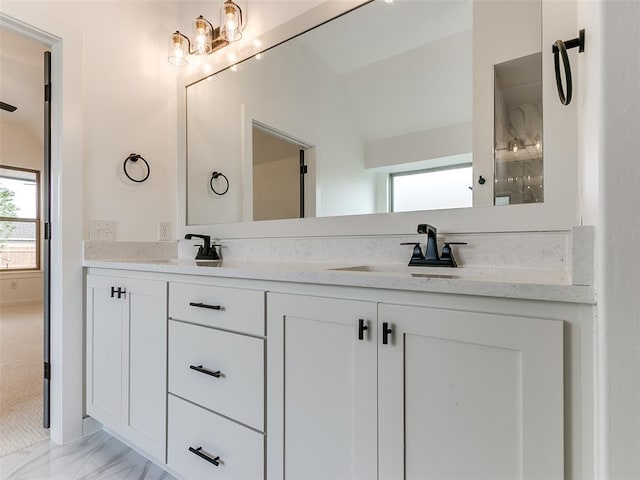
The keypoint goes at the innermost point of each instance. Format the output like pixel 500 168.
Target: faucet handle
pixel 417 250
pixel 447 253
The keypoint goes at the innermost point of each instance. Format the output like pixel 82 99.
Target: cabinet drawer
pixel 229 308
pixel 238 392
pixel 240 449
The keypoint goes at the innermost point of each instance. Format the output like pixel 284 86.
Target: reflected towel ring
pixel 215 175
pixel 560 49
pixel 134 157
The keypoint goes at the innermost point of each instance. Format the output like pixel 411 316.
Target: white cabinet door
pixel 127 358
pixel 321 388
pixel 105 337
pixel 469 395
pixel 145 366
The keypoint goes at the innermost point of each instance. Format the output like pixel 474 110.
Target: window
pixel 433 189
pixel 19 218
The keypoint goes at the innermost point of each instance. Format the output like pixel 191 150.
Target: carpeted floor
pixel 21 341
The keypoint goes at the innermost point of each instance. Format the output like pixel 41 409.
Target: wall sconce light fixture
pixel 207 38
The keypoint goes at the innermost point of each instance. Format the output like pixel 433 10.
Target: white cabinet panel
pixel 145 386
pixel 239 450
pixel 469 395
pixel 105 335
pixel 238 391
pixel 321 391
pixel 235 309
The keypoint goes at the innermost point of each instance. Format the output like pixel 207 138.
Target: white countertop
pixel 505 283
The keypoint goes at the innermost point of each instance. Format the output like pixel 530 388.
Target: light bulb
pixel 538 142
pixel 177 54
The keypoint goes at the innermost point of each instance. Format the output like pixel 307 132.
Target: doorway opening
pixel 24 193
pixel 280 172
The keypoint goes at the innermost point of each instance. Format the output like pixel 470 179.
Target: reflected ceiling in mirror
pixel 383 89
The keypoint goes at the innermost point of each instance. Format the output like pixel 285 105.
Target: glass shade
pixel 178 49
pixel 230 21
pixel 202 36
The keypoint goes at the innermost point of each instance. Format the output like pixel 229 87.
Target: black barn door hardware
pixel 560 49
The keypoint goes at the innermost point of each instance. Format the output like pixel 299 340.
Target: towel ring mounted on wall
pixel 214 176
pixel 560 49
pixel 134 157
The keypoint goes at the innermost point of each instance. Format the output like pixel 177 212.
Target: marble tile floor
pixel 96 457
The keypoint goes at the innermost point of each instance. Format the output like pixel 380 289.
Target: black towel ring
pixel 560 49
pixel 215 175
pixel 134 157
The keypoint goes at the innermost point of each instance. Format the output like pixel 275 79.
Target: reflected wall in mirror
pixel 519 175
pixel 362 103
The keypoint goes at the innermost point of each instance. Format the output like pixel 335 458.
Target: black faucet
pixel 431 258
pixel 206 250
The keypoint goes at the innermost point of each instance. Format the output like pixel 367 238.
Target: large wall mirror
pixel 369 113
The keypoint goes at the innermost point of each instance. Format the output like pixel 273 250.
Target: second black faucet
pixel 206 251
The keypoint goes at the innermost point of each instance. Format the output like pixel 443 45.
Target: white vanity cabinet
pixel 442 394
pixel 126 322
pixel 216 382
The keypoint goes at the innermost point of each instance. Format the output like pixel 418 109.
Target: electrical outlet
pixel 102 229
pixel 164 231
pixel 13 285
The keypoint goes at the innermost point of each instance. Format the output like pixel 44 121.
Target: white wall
pixel 111 95
pixel 609 100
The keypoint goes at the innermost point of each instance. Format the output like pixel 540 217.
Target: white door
pixel 321 388
pixel 105 335
pixel 469 395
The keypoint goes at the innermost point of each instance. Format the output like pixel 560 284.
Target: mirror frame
pixel 559 212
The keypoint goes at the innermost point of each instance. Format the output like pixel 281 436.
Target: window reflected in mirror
pixel 519 172
pixel 433 189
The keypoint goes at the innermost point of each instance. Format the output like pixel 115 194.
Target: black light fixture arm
pixel 559 49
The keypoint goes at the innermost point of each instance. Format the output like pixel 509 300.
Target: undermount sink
pixel 399 270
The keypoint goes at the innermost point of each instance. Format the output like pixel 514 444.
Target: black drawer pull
pixel 386 331
pixel 361 328
pixel 204 305
pixel 199 368
pixel 198 451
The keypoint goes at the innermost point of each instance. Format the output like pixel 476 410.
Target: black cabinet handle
pixel 120 292
pixel 386 331
pixel 361 328
pixel 198 368
pixel 198 451
pixel 204 305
